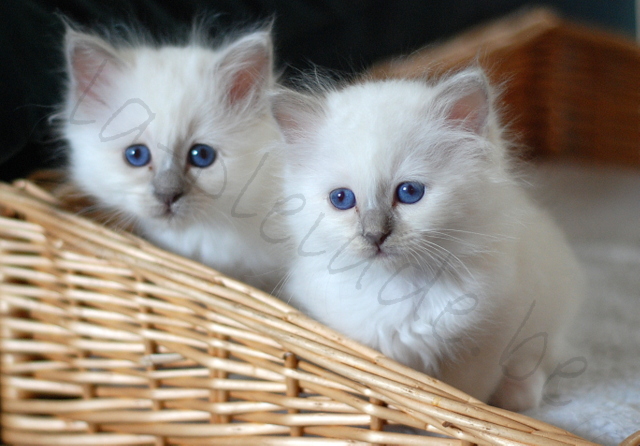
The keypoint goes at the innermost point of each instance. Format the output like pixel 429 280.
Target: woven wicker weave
pixel 108 340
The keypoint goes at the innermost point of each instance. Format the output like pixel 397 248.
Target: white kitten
pixel 415 240
pixel 173 137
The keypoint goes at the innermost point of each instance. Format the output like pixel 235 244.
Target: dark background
pixel 345 35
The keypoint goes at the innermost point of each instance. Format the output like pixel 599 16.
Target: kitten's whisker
pixel 475 248
pixel 278 289
pixel 449 255
pixel 440 236
pixel 414 253
pixel 462 231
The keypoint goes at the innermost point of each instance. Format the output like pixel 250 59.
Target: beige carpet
pixel 596 392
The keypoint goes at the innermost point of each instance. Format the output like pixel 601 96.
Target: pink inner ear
pixel 290 122
pixel 249 78
pixel 89 69
pixel 297 114
pixel 471 110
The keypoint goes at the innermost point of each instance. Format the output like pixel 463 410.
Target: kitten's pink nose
pixel 376 238
pixel 168 186
pixel 376 226
pixel 168 198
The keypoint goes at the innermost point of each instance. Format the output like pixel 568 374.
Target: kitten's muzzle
pixel 376 226
pixel 168 187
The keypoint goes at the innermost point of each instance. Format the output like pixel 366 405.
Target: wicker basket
pixel 569 90
pixel 108 340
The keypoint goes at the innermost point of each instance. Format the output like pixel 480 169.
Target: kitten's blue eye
pixel 137 155
pixel 342 198
pixel 410 192
pixel 202 155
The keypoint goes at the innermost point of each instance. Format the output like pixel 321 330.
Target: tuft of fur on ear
pixel 296 113
pixel 247 69
pixel 90 62
pixel 466 100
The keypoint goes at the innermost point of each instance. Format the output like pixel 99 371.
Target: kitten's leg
pixel 523 379
pixel 520 391
pixel 474 370
pixel 513 382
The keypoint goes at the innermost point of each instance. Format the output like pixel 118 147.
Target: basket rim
pixel 421 398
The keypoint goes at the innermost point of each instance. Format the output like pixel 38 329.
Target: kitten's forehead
pixel 177 82
pixel 379 115
pixel 380 102
pixel 167 98
pixel 374 128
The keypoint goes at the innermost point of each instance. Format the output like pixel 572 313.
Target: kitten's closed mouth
pixel 167 213
pixel 379 252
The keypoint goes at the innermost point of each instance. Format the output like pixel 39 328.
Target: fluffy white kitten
pixel 173 137
pixel 413 237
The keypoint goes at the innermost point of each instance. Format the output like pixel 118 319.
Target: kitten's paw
pixel 518 395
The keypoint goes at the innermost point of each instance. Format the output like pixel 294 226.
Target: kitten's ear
pixel 466 100
pixel 247 68
pixel 296 113
pixel 91 61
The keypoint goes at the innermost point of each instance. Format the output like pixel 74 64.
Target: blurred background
pixel 348 36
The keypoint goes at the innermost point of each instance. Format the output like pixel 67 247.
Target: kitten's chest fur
pixel 415 321
pixel 232 250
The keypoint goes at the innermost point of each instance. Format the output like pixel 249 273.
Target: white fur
pixel 180 96
pixel 460 269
